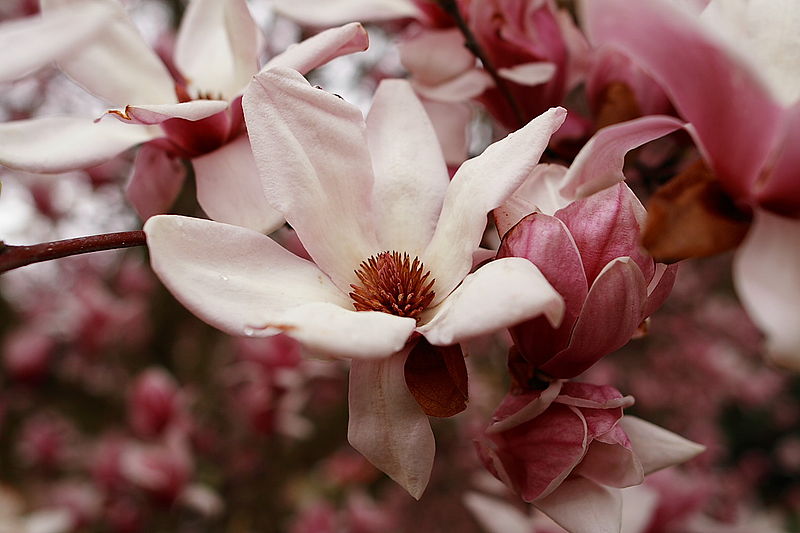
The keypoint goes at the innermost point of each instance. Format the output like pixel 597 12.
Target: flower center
pixel 393 283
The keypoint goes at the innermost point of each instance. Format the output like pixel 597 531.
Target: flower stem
pixel 451 8
pixel 12 257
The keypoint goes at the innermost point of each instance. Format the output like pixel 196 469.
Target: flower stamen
pixel 393 283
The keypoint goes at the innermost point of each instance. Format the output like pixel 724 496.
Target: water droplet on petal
pixel 223 277
pixel 249 332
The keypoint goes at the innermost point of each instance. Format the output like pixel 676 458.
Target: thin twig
pixel 18 256
pixel 451 8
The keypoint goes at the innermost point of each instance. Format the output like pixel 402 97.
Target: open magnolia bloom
pixel 740 91
pixel 195 114
pixel 392 241
pixel 568 449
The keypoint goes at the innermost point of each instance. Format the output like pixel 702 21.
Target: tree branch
pixel 451 8
pixel 18 256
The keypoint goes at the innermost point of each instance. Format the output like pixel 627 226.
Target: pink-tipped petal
pixel 599 163
pixel 38 40
pixel 539 192
pixel 311 151
pixel 244 283
pixel 496 296
pixel 714 67
pixel 480 185
pixel 655 447
pixel 315 51
pixel 216 49
pixel 410 173
pixel 58 144
pixel 767 278
pixel 605 226
pixel 156 114
pixel 609 317
pixel 156 181
pixel 582 506
pixel 229 189
pixel 387 426
pixel 117 65
pixel 332 12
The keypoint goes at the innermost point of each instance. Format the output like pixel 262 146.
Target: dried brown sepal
pixel 437 378
pixel 692 216
pixel 393 283
pixel 617 104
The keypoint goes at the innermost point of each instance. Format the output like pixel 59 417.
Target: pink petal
pixel 117 65
pixel 531 74
pixel 216 48
pixel 387 426
pixel 593 397
pixel 607 225
pixel 156 114
pixel 767 277
pixel 650 32
pixel 610 315
pixel 655 447
pixel 599 163
pixel 311 151
pixel 521 408
pixel 229 189
pixel 545 241
pixel 480 185
pixel 244 283
pixel 332 12
pixel 315 51
pixel 610 461
pixel 538 455
pixel 156 181
pixel 779 191
pixel 498 295
pixel 451 122
pixel 410 173
pixel 660 287
pixel 58 144
pixel 38 40
pixel 458 89
pixel 582 506
pixel 434 56
pixel 539 192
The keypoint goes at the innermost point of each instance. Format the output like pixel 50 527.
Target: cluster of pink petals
pixel 739 91
pixel 568 449
pixel 195 114
pixel 589 251
pixel 352 188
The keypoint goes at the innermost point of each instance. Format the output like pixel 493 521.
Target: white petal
pixel 500 294
pixel 410 173
pixel 117 65
pixel 480 185
pixel 311 151
pixel 582 506
pixel 321 48
pixel 333 12
pixel 57 144
pixel 539 192
pixel 229 189
pixel 387 425
pixel 244 283
pixel 217 46
pixel 767 277
pixel 36 41
pixel 530 74
pixel 497 516
pixel 451 122
pixel 657 447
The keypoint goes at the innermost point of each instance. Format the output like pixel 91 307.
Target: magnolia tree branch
pixel 451 8
pixel 18 256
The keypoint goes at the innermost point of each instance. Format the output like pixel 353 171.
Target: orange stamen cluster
pixel 393 283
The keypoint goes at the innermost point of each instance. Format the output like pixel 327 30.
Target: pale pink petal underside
pixel 58 144
pixel 582 506
pixel 315 51
pixel 656 447
pixel 387 425
pixel 229 189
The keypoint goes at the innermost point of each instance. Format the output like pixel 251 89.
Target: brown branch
pixel 451 8
pixel 18 256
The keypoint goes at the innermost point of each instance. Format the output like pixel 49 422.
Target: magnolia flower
pixel 740 90
pixel 392 241
pixel 568 449
pixel 194 114
pixel 589 251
